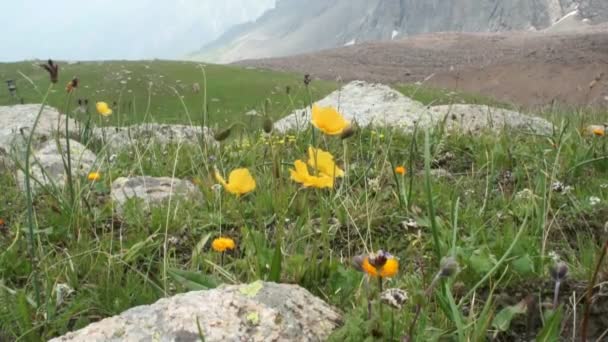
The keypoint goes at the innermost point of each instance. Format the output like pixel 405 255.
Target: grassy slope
pixel 232 92
pixel 114 264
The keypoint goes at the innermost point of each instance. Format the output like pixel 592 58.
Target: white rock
pixel 47 164
pixel 254 312
pixel 380 105
pixel 118 138
pixel 152 190
pixel 474 118
pixel 17 122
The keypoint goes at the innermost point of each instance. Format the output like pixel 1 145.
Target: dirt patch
pixel 529 69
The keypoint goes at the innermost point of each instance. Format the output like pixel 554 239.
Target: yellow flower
pixel 599 131
pixel 323 162
pixel 328 120
pixel 382 265
pixel 240 181
pixel 223 244
pixel 302 176
pixel 103 109
pixel 94 176
pixel 400 170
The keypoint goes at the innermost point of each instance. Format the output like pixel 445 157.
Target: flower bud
pixel 223 135
pixel 267 125
pixel 449 267
pixel 348 132
pixel 559 271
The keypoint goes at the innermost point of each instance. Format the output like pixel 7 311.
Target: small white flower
pixel 525 194
pixel 554 256
pixel 594 200
pixel 374 184
pixel 604 186
pixel 112 158
pixel 216 188
pixel 557 186
pixel 62 291
pixel 394 298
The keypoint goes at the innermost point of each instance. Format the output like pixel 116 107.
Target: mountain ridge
pixel 295 27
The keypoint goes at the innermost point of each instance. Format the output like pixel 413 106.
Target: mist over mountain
pixel 113 29
pixel 298 26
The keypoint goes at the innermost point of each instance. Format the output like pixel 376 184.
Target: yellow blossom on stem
pixel 240 182
pixel 103 109
pixel 400 170
pixel 328 120
pixel 301 175
pixel 381 264
pixel 323 162
pixel 222 244
pixel 94 176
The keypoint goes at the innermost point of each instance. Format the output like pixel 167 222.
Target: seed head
pixel 53 70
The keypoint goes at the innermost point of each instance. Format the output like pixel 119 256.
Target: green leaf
pixel 481 262
pixel 523 265
pixel 503 319
pixel 275 267
pixel 193 281
pixel 550 332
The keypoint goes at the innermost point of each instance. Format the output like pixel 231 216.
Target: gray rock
pixel 255 312
pixel 151 190
pixel 380 105
pixel 117 138
pixel 17 122
pixel 474 118
pixel 47 168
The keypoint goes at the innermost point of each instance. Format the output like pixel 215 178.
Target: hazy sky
pixel 116 29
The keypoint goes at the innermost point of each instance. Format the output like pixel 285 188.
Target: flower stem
pixel 30 202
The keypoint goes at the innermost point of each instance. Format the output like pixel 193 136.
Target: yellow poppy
pixel 223 244
pixel 387 270
pixel 599 131
pixel 301 175
pixel 103 109
pixel 328 120
pixel 94 176
pixel 323 162
pixel 240 182
pixel 400 170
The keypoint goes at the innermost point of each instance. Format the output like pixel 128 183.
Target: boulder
pixel 474 118
pixel 151 190
pixel 380 105
pixel 255 312
pixel 17 122
pixel 117 138
pixel 47 166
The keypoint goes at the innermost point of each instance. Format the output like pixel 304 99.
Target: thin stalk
pixel 30 203
pixel 429 194
pixel 588 295
pixel 68 153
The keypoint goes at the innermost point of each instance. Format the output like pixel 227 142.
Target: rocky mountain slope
pixel 525 68
pixel 297 26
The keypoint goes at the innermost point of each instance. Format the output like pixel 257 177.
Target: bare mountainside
pixel 300 26
pixel 524 68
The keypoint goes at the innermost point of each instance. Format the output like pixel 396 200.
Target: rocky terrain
pixel 296 26
pixel 527 68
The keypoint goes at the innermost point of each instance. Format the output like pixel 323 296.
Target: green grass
pixel 496 214
pixel 130 85
pixel 433 96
